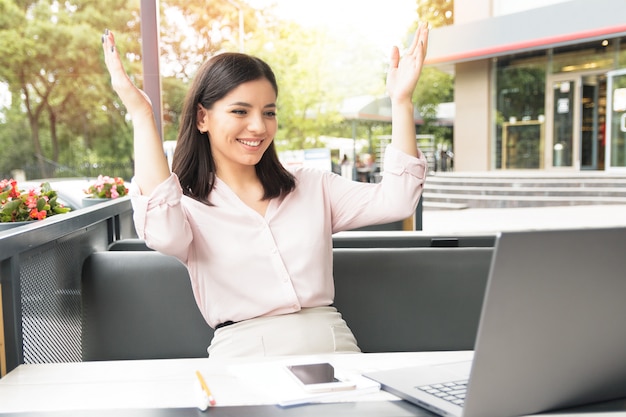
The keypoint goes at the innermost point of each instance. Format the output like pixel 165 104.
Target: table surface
pixel 169 387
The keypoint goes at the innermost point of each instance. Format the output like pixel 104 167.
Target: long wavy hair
pixel 193 161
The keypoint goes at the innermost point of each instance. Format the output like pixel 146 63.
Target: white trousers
pixel 309 331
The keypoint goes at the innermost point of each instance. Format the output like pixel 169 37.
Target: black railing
pixel 40 273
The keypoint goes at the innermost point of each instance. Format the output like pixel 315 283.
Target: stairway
pixel 452 190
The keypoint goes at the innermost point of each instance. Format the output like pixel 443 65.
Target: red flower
pixel 37 203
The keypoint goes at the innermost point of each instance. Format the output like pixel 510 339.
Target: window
pixel 520 100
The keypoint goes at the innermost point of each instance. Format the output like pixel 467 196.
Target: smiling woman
pixel 255 236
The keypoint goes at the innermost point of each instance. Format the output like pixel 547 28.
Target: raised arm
pixel 151 166
pixel 401 82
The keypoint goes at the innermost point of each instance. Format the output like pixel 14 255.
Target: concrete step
pixel 603 191
pixel 532 189
pixel 440 205
pixel 508 201
pixel 515 182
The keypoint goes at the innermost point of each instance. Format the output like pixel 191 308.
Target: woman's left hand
pixel 405 72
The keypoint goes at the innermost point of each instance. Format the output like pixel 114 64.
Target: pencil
pixel 205 388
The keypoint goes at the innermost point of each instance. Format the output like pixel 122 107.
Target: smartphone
pixel 319 377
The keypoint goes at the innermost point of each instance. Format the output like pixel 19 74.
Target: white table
pixel 169 387
pixel 168 383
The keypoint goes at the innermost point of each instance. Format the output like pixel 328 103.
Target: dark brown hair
pixel 193 160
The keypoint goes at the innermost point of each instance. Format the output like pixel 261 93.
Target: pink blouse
pixel 243 265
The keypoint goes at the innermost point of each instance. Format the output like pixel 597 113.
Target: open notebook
pixel 551 333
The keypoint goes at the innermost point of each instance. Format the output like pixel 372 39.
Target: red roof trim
pixel 533 43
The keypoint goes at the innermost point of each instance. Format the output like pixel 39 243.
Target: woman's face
pixel 242 125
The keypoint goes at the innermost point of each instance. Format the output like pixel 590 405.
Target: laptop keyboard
pixel 453 392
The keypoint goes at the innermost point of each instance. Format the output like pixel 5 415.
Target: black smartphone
pixel 319 377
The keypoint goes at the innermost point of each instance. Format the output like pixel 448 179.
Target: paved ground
pixel 493 220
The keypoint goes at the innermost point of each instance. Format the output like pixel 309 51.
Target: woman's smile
pixel 253 143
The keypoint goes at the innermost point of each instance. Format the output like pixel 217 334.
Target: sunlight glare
pixel 384 25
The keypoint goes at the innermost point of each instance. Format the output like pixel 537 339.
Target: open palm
pixel 404 72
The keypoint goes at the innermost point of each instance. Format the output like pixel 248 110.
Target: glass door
pixel 563 128
pixel 593 119
pixel 616 121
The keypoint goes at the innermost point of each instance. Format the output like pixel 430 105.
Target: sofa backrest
pixel 370 239
pixel 390 239
pixel 412 299
pixel 139 304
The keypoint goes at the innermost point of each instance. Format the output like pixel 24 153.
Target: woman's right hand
pixel 151 167
pixel 133 98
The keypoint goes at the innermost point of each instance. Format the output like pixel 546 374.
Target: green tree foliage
pixel 436 86
pixel 51 60
pixel 63 111
pixel 436 12
pixel 14 152
pixel 192 31
pixel 307 103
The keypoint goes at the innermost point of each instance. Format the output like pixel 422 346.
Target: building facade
pixel 539 84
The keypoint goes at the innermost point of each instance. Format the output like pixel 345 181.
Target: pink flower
pixel 107 187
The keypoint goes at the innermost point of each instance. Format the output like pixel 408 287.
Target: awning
pixel 561 24
pixel 370 108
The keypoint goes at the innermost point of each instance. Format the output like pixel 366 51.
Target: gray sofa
pixel 138 304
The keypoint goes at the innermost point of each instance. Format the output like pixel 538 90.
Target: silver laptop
pixel 552 332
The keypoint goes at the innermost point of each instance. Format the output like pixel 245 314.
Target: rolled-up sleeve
pixel 397 163
pixel 355 204
pixel 160 219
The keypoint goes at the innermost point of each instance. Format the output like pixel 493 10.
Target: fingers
pixel 394 58
pixel 415 42
pixel 405 71
pixel 423 31
pixel 119 78
pixel 111 57
pixel 419 46
pixel 108 41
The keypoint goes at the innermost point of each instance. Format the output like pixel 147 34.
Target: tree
pixel 436 12
pixel 315 74
pixel 192 31
pixel 52 62
pixel 18 153
pixel 306 102
pixel 65 109
pixel 436 86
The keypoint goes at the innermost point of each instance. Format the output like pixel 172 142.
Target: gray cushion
pixel 412 299
pixel 139 305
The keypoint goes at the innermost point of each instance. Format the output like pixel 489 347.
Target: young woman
pixel 255 237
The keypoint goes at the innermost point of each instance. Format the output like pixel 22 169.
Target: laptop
pixel 552 332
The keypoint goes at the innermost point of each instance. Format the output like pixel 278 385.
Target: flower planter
pixel 105 188
pixel 10 225
pixel 37 203
pixel 90 201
